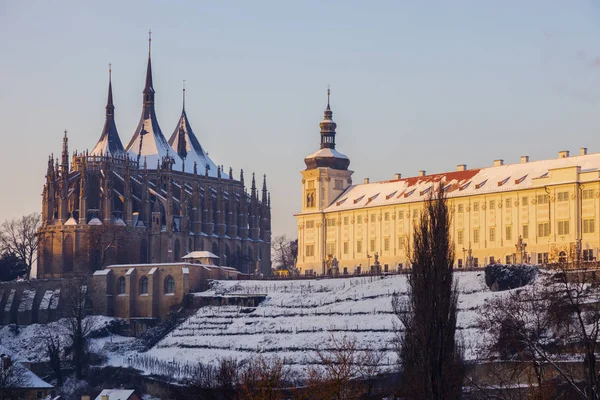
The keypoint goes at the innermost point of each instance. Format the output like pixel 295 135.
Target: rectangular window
pixel 339 184
pixel 508 203
pixel 508 232
pixel 460 208
pixel 460 263
pixel 330 222
pixel 402 242
pixel 542 258
pixel 475 235
pixel 373 217
pixel 331 249
pixel 476 206
pixel 310 250
pixel 415 214
pixel 460 237
pixel 588 255
pixel 563 196
pixel 359 219
pixel 563 227
pixel 492 204
pixel 525 201
pixel 544 229
pixel 346 220
pixel 492 234
pixel 372 244
pixel 359 246
pixel 346 246
pixel 310 224
pixel 386 244
pixel 525 231
pixel 543 199
pixel 386 216
pixel 400 214
pixel 509 259
pixel 475 262
pixel 589 225
pixel 311 184
pixel 587 194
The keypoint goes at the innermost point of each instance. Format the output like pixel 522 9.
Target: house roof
pixel 116 394
pixel 501 178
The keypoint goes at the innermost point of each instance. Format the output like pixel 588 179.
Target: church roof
pixel 109 142
pixel 186 144
pixel 496 179
pixel 148 141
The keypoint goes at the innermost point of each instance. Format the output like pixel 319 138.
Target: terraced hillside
pixel 300 316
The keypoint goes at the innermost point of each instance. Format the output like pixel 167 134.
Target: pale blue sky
pixel 414 85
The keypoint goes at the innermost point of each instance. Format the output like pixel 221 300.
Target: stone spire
pixel 328 127
pixel 109 142
pixel 264 190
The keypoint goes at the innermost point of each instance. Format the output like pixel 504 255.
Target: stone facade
pixel 542 212
pixel 149 202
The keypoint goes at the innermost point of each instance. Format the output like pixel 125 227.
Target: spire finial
pixel 328 94
pixel 184 95
pixel 109 72
pixel 149 42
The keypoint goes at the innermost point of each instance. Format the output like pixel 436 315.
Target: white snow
pixel 327 153
pixel 115 394
pixel 300 316
pixel 95 221
pixel 27 298
pixel 470 182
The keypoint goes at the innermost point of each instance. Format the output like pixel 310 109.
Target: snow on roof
pixel 95 221
pixel 199 254
pixel 185 270
pixel 327 153
pixel 71 221
pixel 148 142
pixel 27 379
pixel 45 303
pixel 130 271
pixel 470 182
pixel 194 151
pixel 116 394
pixel 152 271
pixel 55 299
pixel 102 272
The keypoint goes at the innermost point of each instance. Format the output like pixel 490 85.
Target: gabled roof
pixel 116 394
pixel 190 149
pixel 502 178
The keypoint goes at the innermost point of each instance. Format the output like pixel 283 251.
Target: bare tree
pixel 432 360
pixel 20 237
pixel 53 351
pixel 75 302
pixel 103 241
pixel 263 379
pixel 284 251
pixel 12 377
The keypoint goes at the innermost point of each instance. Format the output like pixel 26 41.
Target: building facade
pixel 152 201
pixel 534 211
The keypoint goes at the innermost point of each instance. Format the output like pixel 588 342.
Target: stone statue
pixel 376 262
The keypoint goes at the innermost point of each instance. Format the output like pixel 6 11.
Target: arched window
pixel 562 257
pixel 215 248
pixel 144 251
pixel 144 285
pixel 169 285
pixel 176 249
pixel 68 254
pixel 121 285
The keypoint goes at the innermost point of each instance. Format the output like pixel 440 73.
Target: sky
pixel 415 85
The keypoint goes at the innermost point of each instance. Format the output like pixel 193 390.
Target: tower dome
pixel 327 156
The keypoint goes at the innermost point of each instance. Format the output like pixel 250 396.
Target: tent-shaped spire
pixel 186 144
pixel 109 142
pixel 148 140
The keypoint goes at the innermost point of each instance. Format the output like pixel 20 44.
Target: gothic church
pixel 152 201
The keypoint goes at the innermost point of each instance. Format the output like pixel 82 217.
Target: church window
pixel 525 231
pixel 588 225
pixel 144 285
pixel 544 229
pixel 508 232
pixel 587 194
pixel 176 250
pixel 68 258
pixel 190 245
pixel 169 285
pixel 144 251
pixel 121 285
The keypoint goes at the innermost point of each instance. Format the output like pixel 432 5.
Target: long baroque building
pixel 152 201
pixel 543 211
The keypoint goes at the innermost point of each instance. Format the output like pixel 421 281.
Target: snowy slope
pixel 300 316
